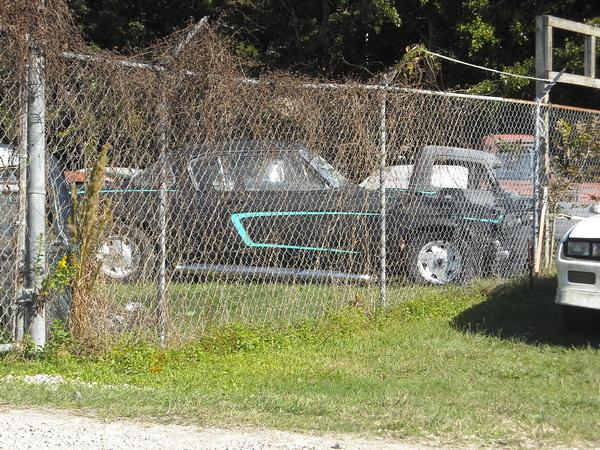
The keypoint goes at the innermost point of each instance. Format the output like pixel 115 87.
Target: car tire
pixel 439 260
pixel 126 254
pixel 575 319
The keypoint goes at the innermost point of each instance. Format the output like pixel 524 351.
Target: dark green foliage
pixel 343 38
pixel 61 340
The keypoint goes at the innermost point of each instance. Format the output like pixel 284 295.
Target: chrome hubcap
pixel 439 262
pixel 118 256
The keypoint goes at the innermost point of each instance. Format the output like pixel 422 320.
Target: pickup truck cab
pixel 516 153
pixel 487 224
pixel 515 175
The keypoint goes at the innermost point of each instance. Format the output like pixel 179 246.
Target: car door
pixel 272 209
pixel 471 185
pixel 200 226
pixel 282 213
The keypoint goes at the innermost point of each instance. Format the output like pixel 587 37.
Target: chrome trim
pixel 279 272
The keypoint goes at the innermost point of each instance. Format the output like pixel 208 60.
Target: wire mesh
pixel 226 199
pixel 11 108
pixel 573 158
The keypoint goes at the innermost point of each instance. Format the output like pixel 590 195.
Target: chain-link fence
pixel 11 181
pixel 223 199
pixel 573 167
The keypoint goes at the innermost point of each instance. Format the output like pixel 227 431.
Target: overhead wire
pixel 500 72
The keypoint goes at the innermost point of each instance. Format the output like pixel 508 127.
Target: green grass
pixel 482 365
pixel 257 303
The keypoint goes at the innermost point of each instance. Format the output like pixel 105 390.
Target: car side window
pixel 449 175
pixel 248 172
pixel 211 173
pixel 461 175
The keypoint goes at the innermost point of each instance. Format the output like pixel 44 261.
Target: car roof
pixel 461 154
pixel 588 228
pixel 243 146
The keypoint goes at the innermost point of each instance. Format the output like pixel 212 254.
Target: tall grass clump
pixel 89 305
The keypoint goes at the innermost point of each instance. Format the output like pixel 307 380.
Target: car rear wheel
pixel 126 254
pixel 439 260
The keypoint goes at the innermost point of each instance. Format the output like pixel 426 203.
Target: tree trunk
pixel 292 12
pixel 430 34
pixel 324 25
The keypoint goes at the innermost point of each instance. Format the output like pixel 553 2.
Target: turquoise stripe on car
pixel 237 219
pixel 120 191
pixel 479 219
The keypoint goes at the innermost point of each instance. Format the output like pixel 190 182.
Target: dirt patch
pixel 52 429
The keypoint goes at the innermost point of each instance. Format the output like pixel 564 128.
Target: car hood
pixel 588 228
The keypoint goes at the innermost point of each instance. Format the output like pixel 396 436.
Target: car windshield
pixel 334 178
pixel 280 171
pixel 516 165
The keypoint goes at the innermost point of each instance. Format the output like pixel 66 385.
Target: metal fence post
pixel 540 192
pixel 35 250
pixel 537 146
pixel 19 310
pixel 163 191
pixel 162 218
pixel 382 200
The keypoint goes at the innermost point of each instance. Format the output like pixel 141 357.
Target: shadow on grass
pixel 518 311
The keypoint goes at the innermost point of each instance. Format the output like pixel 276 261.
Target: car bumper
pixel 573 297
pixel 581 294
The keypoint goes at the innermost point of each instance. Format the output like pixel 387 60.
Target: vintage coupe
pixel 261 208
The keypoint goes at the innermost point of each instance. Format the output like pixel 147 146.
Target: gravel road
pixel 52 429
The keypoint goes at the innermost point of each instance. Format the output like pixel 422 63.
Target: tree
pixel 358 38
